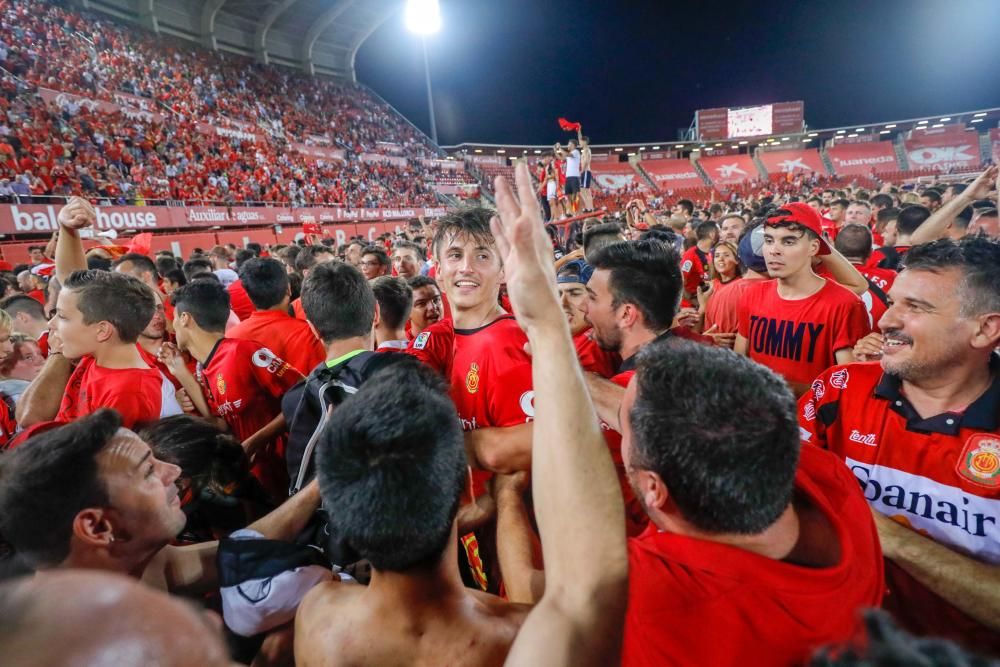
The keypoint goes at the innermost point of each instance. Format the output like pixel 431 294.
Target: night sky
pixel 504 70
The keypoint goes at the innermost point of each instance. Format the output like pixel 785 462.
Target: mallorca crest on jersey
pixel 980 460
pixel 220 384
pixel 472 378
pixel 420 342
pixel 839 378
pixel 819 389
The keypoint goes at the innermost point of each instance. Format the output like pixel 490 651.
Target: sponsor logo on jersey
pixel 264 358
pixel 980 460
pixel 947 514
pixel 863 438
pixel 686 266
pixel 472 378
pixel 818 389
pixel 839 379
pixel 420 342
pixel 220 384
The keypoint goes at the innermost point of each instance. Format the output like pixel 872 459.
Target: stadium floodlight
pixel 936 125
pixel 538 152
pixel 946 119
pixel 656 148
pixel 979 115
pixel 479 150
pixel 885 132
pixel 679 146
pixel 500 151
pixel 841 131
pixel 921 122
pixel 422 17
pixel 851 136
pixel 860 129
pixel 743 143
pixel 890 126
pixel 618 150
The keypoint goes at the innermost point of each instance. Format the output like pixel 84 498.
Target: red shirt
pixel 289 338
pixel 798 338
pixel 435 346
pixel 240 301
pixel 592 357
pixel 722 307
pixel 8 424
pixel 300 312
pixel 43 344
pixel 38 295
pixel 139 395
pixel 243 383
pixel 940 476
pixel 696 602
pixel 888 257
pixel 694 269
pixel 883 278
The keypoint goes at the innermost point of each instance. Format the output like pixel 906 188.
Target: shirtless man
pixel 393 458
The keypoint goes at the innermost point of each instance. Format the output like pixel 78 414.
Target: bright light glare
pixel 980 114
pixel 422 17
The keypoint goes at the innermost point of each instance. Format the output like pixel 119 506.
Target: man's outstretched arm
pixel 578 502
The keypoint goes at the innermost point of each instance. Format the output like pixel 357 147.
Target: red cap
pixel 804 215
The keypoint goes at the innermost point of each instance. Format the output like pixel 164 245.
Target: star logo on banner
pixel 727 170
pixel 791 165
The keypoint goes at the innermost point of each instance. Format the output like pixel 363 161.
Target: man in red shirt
pixel 28 317
pixel 907 221
pixel 291 339
pixel 374 262
pixel 695 262
pixel 854 242
pixel 572 282
pixel 407 259
pixel 753 547
pixel 921 432
pixel 722 310
pixel 242 380
pixel 799 324
pixel 427 308
pixel 307 259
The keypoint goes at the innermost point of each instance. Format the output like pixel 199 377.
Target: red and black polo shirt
pixel 938 475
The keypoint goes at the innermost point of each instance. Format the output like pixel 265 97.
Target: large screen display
pixel 750 121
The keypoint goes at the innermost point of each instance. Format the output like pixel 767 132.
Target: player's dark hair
pixel 881 199
pixel 196 266
pixel 416 282
pixel 854 241
pixel 392 463
pixel 338 301
pixel 932 194
pixel 211 460
pixel 308 257
pixel 958 188
pixel 126 302
pixel 727 453
pixel 47 481
pixel 705 230
pixel 687 205
pixel 265 281
pixel 883 217
pixel 255 248
pixel 165 264
pixel 379 253
pixel 140 264
pixel 843 203
pixel 176 276
pixel 472 222
pixel 963 218
pixel 977 257
pixel 395 299
pixel 911 217
pixel 418 250
pixel 601 236
pixel 22 303
pixel 207 301
pixel 645 274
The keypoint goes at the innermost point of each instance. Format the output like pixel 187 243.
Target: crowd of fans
pixel 50 149
pixel 332 447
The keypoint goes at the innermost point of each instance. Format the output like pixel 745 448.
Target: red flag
pixel 568 126
pixel 141 243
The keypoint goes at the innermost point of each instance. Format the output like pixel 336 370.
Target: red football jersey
pixel 883 278
pixel 243 383
pixel 298 310
pixel 940 476
pixel 694 268
pixel 289 338
pixel 139 394
pixel 798 338
pixel 888 257
pixel 435 346
pixel 8 424
pixel 592 358
pixel 43 344
pixel 697 602
pixel 240 301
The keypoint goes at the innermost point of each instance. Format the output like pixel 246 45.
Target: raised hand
pixel 986 181
pixel 77 214
pixel 869 348
pixel 526 252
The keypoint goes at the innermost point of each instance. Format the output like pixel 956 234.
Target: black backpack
pixel 307 408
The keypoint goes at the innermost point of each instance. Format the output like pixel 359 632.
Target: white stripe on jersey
pixel 168 400
pixel 962 521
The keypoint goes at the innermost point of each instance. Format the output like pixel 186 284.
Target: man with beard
pixel 921 432
pixel 572 282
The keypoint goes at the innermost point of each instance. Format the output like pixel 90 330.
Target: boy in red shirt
pixel 266 283
pixel 798 324
pixel 242 380
pixel 697 259
pixel 99 317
